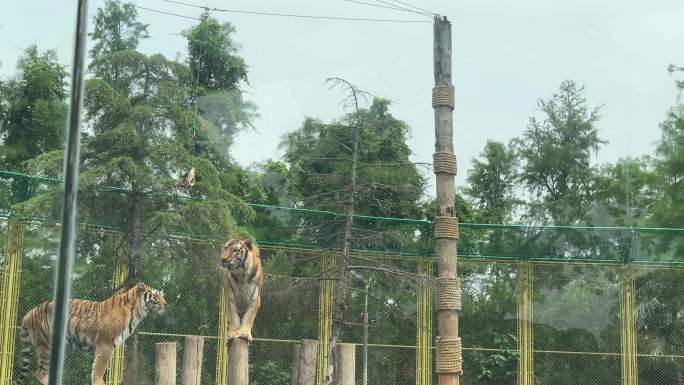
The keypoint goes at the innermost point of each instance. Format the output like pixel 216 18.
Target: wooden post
pixel 165 366
pixel 448 345
pixel 294 373
pixel 238 364
pixel 304 365
pixel 346 362
pixel 192 360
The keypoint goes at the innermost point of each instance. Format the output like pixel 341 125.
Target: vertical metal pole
pixel 424 325
pixel 9 297
pixel 630 374
pixel 325 308
pixel 116 364
pixel 222 348
pixel 365 335
pixel 67 239
pixel 525 324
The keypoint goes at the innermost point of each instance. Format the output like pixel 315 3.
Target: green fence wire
pixel 576 327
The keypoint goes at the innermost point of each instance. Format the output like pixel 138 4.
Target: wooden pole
pixel 296 356
pixel 192 360
pixel 238 364
pixel 346 364
pixel 304 365
pixel 448 352
pixel 165 366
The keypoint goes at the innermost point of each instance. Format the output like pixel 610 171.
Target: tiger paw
pixel 245 333
pixel 233 334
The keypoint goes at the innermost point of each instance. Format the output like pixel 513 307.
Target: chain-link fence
pixel 563 304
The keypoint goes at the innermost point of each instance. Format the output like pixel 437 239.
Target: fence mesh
pixel 576 328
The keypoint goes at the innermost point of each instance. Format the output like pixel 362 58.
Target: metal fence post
pixel 325 308
pixel 525 324
pixel 116 365
pixel 222 347
pixel 424 326
pixel 9 298
pixel 628 335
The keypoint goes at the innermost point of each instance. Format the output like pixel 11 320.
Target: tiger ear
pixel 248 243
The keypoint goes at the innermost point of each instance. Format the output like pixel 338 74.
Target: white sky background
pixel 507 54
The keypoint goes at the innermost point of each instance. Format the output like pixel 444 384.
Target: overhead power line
pixel 387 6
pixel 166 13
pixel 278 14
pixel 403 8
pixel 413 6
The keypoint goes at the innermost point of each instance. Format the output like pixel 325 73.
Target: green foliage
pixel 555 154
pixel 492 184
pixel 32 108
pixel 220 110
pixel 213 55
pixel 623 193
pixel 115 29
pixel 668 165
pixel 269 373
pixel 318 156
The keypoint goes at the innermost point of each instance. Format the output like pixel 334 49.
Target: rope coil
pixel 444 163
pixel 446 228
pixel 448 358
pixel 448 294
pixel 443 96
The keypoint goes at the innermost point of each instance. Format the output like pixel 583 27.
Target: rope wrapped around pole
pixel 443 96
pixel 446 227
pixel 448 294
pixel 449 359
pixel 444 163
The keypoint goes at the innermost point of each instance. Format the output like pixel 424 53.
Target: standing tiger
pixel 242 260
pixel 96 326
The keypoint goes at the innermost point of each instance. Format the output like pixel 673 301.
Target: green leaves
pixel 555 154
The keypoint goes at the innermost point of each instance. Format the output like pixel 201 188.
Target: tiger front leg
pixel 233 323
pixel 245 330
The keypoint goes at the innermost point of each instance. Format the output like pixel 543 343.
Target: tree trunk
pixel 341 290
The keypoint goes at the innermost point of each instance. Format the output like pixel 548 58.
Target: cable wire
pixel 404 8
pixel 392 7
pixel 413 6
pixel 292 15
pixel 166 13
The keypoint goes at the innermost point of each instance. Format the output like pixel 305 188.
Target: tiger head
pixel 153 299
pixel 237 253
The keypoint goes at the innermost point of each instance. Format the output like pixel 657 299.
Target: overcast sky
pixel 507 54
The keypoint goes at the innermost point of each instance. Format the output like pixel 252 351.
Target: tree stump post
pixel 192 360
pixel 304 363
pixel 238 362
pixel 165 366
pixel 346 364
